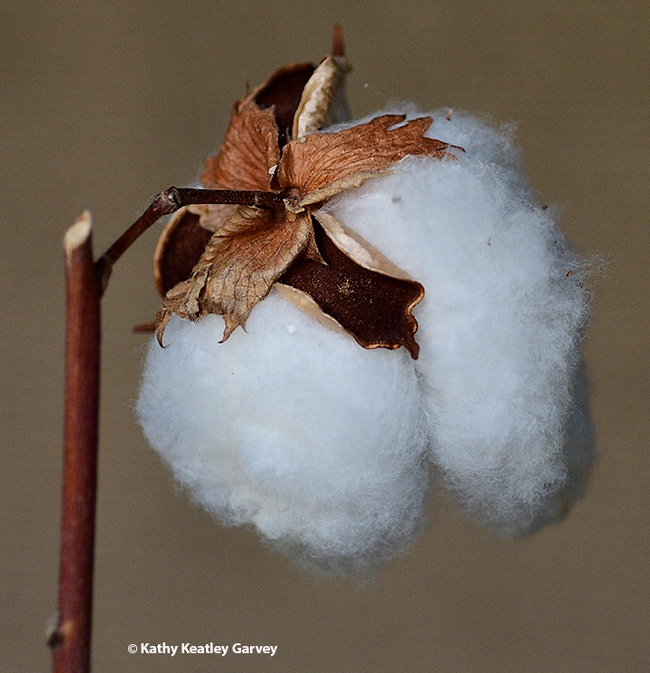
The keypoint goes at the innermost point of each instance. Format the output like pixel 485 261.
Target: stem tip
pixel 78 233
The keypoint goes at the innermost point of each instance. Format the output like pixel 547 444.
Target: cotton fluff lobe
pixel 323 446
pixel 293 428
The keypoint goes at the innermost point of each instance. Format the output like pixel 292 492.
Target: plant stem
pixel 338 46
pixel 170 201
pixel 70 641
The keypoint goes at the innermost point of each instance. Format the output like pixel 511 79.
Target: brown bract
pixel 273 144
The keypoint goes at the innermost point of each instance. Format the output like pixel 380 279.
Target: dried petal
pixel 319 160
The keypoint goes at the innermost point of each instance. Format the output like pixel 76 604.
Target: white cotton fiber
pixel 500 325
pixel 322 445
pixel 293 428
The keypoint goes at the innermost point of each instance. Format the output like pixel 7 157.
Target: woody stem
pixel 70 638
pixel 170 201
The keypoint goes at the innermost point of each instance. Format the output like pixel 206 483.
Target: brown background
pixel 102 105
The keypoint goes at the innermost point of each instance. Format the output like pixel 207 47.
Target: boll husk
pixel 326 447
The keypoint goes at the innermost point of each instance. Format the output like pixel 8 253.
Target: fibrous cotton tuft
pixel 293 428
pixel 326 447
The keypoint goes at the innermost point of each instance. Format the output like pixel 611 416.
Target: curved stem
pixel 169 202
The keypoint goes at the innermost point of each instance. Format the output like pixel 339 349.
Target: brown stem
pixel 170 201
pixel 338 46
pixel 70 641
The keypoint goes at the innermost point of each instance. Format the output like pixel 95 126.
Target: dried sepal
pixel 239 266
pixel 374 308
pixel 273 144
pixel 250 147
pixel 304 283
pixel 179 248
pixel 323 164
pixel 212 216
pixel 323 99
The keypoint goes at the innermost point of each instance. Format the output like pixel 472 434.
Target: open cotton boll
pixel 499 327
pixel 293 428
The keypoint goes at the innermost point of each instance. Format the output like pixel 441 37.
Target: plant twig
pixel 338 46
pixel 170 201
pixel 70 639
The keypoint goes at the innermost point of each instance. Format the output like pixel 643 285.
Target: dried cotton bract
pixel 324 446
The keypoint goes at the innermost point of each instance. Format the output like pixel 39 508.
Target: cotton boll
pixel 500 324
pixel 294 428
pixel 318 443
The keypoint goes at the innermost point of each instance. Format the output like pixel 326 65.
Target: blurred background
pixel 104 104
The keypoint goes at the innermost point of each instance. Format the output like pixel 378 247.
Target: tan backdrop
pixel 102 105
